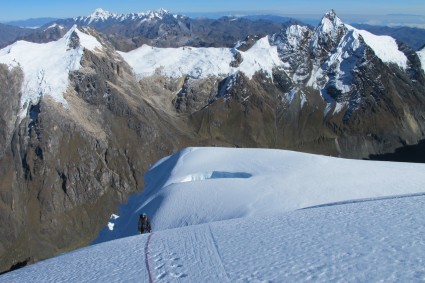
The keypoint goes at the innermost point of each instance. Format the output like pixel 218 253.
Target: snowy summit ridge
pixel 202 62
pixel 46 66
pixel 101 16
pixel 202 185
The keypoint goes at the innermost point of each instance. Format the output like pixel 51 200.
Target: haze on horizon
pixel 21 9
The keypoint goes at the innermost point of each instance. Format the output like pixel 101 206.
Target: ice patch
pixel 339 107
pixel 421 55
pixel 291 95
pixel 112 224
pixel 303 100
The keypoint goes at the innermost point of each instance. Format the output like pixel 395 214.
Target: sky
pixel 25 9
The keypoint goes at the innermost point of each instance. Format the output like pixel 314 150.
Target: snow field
pixel 201 62
pixel 373 241
pixel 203 185
pixel 385 47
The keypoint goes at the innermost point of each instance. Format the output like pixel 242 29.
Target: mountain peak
pixel 328 33
pixel 160 13
pixel 331 15
pixel 330 22
pixel 100 14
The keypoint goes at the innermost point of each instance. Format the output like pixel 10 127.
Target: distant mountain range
pixel 31 23
pixel 9 34
pixel 102 20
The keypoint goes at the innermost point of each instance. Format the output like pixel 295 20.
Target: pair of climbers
pixel 144 225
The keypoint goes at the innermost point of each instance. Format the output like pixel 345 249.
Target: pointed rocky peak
pixel 330 23
pixel 328 33
pixel 72 38
pixel 99 13
pixel 160 13
pixel 331 15
pixel 81 38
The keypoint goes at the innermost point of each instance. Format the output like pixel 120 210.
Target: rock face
pixel 64 170
pixel 68 160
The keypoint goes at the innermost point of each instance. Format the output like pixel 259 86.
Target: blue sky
pixel 24 9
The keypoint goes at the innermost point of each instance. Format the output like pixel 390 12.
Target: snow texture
pixel 202 62
pixel 372 241
pixel 385 47
pixel 47 66
pixel 421 55
pixel 101 16
pixel 202 185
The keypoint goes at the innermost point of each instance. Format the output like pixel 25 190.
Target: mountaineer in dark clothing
pixel 144 224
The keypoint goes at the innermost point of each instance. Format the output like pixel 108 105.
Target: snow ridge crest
pixel 101 16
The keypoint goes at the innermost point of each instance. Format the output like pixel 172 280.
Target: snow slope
pixel 203 185
pixel 201 62
pixel 46 66
pixel 291 217
pixel 385 47
pixel 374 241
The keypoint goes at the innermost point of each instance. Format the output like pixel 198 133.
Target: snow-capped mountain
pixel 253 228
pixel 100 16
pixel 47 66
pixel 201 63
pixel 161 28
pixel 328 58
pixel 82 117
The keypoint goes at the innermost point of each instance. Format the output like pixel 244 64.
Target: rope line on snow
pixel 147 258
